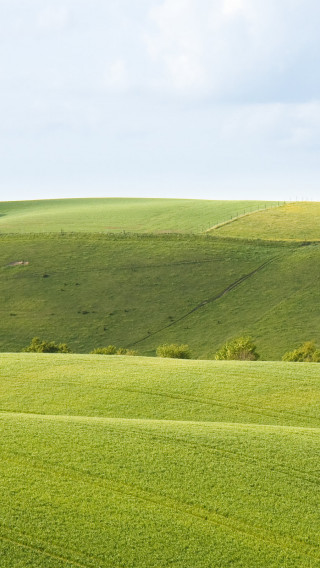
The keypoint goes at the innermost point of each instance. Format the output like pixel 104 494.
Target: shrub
pixel 131 352
pixel 113 350
pixel 38 345
pixel 109 350
pixel 121 351
pixel 305 353
pixel 174 350
pixel 240 348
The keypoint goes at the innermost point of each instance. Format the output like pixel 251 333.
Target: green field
pixel 141 462
pixel 293 221
pixel 138 462
pixel 92 290
pixel 114 215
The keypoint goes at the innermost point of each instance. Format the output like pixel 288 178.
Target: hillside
pixel 115 215
pixel 141 463
pixel 292 221
pixel 91 290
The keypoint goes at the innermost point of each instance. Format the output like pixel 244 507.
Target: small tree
pixel 121 351
pixel 241 348
pixel 38 345
pixel 109 350
pixel 174 351
pixel 113 350
pixel 305 353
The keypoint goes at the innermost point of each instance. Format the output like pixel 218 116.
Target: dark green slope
pixel 92 290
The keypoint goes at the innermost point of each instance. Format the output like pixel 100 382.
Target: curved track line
pixel 166 436
pixel 44 552
pixel 229 523
pixel 226 290
pixel 250 409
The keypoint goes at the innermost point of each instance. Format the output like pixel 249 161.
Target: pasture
pixel 292 221
pixel 116 215
pixel 137 462
pixel 94 290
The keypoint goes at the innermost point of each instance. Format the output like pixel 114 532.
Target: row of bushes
pixel 38 345
pixel 241 348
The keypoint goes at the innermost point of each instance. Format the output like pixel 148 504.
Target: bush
pixel 174 350
pixel 305 353
pixel 240 348
pixel 121 351
pixel 131 352
pixel 38 345
pixel 110 350
pixel 113 350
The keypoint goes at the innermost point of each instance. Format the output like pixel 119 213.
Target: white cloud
pixel 233 7
pixel 176 42
pixel 230 48
pixel 116 76
pixel 53 18
pixel 183 91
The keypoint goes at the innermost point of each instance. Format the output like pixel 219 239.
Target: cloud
pixel 186 92
pixel 232 48
pixel 53 18
pixel 116 76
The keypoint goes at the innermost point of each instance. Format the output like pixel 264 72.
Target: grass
pixel 134 462
pixel 291 221
pixel 139 463
pixel 91 291
pixel 114 215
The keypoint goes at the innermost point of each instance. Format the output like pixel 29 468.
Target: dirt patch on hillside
pixel 18 263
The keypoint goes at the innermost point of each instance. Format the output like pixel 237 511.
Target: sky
pixel 210 99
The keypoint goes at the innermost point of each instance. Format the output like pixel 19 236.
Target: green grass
pixel 119 214
pixel 90 291
pixel 292 221
pixel 141 463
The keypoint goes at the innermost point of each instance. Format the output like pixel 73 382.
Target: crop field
pixel 292 221
pixel 116 215
pixel 94 290
pixel 141 463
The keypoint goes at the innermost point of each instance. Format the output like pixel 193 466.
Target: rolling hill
pixel 116 215
pixel 138 462
pixel 141 462
pixel 92 290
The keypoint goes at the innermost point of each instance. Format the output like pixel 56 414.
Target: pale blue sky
pixel 184 98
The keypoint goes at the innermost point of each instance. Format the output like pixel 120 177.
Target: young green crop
pixel 146 462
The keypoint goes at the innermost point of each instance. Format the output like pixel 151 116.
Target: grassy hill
pixel 116 215
pixel 92 290
pixel 137 462
pixel 292 221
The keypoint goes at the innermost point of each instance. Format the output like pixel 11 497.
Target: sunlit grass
pixel 111 461
pixel 292 221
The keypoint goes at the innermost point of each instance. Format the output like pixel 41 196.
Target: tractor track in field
pixel 225 522
pixel 214 298
pixel 46 553
pixel 240 407
pixel 266 464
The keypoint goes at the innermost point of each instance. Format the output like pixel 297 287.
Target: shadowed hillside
pixel 91 290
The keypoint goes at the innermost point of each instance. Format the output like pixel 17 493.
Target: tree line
pixel 240 348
